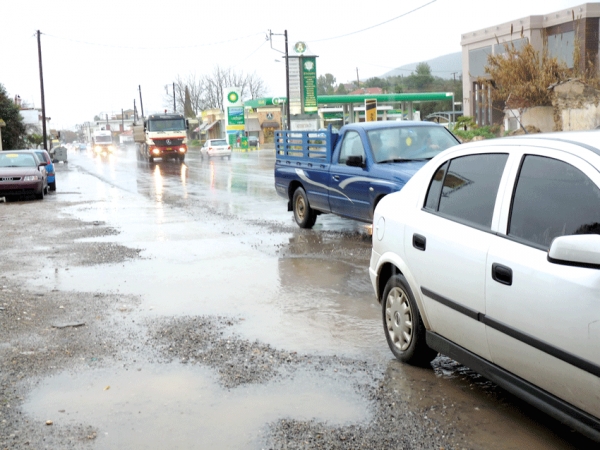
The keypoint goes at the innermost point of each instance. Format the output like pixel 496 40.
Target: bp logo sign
pixel 300 47
pixel 232 97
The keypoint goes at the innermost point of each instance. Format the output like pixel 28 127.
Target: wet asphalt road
pixel 228 327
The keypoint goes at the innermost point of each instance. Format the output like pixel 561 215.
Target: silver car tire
pixel 402 323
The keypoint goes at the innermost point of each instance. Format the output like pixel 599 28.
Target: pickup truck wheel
pixel 304 215
pixel 402 323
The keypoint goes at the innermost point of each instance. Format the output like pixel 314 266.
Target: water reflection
pixel 183 174
pixel 158 184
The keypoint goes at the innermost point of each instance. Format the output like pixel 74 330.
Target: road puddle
pixel 179 407
pixel 476 412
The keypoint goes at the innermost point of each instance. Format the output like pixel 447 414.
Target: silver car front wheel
pixel 403 326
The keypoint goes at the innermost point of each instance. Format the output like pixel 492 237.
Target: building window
pixel 478 61
pixel 481 99
pixel 562 46
pixel 518 43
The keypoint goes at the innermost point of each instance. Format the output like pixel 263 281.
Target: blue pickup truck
pixel 347 173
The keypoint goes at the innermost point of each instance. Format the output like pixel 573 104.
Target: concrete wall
pixel 586 118
pixel 540 117
pixel 576 106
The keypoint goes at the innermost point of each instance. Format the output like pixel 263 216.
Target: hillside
pixel 442 66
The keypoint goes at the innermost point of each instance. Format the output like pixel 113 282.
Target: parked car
pixel 43 156
pixel 253 141
pixel 21 173
pixel 216 147
pixel 490 254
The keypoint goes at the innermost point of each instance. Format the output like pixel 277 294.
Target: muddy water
pixel 486 416
pixel 296 290
pixel 170 406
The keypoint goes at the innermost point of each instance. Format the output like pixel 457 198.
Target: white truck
pixel 103 141
pixel 162 136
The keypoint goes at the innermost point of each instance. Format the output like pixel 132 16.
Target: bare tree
pixel 195 86
pixel 256 86
pixel 250 86
pixel 207 91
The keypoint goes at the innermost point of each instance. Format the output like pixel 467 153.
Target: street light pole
pixel 174 108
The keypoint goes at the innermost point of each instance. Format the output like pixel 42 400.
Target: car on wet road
pixel 44 157
pixel 21 173
pixel 491 255
pixel 215 147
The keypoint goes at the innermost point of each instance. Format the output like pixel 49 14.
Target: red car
pixel 21 173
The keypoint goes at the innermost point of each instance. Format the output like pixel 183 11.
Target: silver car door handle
pixel 336 177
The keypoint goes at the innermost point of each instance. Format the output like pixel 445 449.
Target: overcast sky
pixel 95 54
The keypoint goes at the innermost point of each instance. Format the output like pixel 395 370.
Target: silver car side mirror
pixel 582 250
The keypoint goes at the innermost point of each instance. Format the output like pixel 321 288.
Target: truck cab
pixel 162 136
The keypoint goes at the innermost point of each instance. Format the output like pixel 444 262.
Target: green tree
pixel 35 139
pixel 341 90
pixel 13 134
pixel 421 78
pixel 325 84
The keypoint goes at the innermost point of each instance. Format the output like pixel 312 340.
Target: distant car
pixel 490 254
pixel 21 173
pixel 82 147
pixel 253 141
pixel 43 156
pixel 216 147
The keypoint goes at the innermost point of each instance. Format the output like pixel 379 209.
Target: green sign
pixel 309 76
pixel 235 117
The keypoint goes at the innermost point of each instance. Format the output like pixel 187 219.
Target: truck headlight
pixel 156 151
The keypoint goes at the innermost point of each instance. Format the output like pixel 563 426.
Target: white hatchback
pixel 490 254
pixel 216 147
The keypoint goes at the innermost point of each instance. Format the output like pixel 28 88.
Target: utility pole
pixel 135 114
pixel 287 83
pixel 174 108
pixel 357 80
pixel 122 121
pixel 42 92
pixel 287 75
pixel 141 104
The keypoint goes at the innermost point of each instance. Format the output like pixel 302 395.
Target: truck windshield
pixel 409 143
pixel 103 139
pixel 166 125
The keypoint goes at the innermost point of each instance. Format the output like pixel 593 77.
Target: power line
pixel 375 26
pixel 99 44
pixel 248 56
